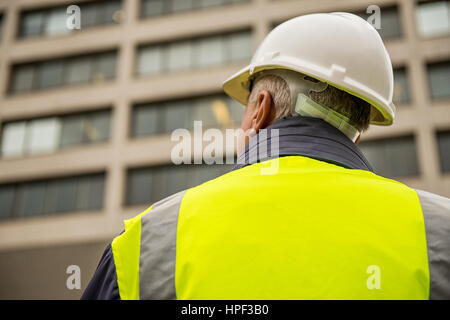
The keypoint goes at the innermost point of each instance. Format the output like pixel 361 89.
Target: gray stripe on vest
pixel 436 212
pixel 158 249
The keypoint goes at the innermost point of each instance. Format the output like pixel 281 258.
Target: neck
pixel 305 136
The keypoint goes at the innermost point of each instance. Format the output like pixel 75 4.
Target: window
pixel 211 3
pixel 13 139
pixel 148 185
pixel 6 200
pixel 36 198
pixel 31 24
pixel 85 129
pixel 390 22
pixel 79 70
pixel 96 127
pixel 104 66
pixel 62 72
pixel 65 194
pixel 55 23
pixel 1 25
pixel 439 79
pixel 139 186
pixel 72 131
pixel 52 21
pixel 401 86
pixel 444 150
pixel 100 13
pixel 23 78
pixel 50 74
pixel 150 61
pixel 189 54
pixel 43 135
pixel 163 117
pixel 151 8
pixel 175 115
pixel 46 135
pixel 210 51
pixel 394 157
pixel 145 121
pixel 90 192
pixel 182 5
pixel 32 199
pixel 179 56
pixel 240 46
pixel 433 18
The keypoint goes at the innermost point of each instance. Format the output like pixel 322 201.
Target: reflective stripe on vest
pixel 314 230
pixel 436 211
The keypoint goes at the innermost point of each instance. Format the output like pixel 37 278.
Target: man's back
pixel 322 226
pixel 312 231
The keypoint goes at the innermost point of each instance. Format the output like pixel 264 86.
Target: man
pixel 322 225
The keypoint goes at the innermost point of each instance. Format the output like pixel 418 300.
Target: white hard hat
pixel 338 48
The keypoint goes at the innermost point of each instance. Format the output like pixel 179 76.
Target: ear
pixel 264 113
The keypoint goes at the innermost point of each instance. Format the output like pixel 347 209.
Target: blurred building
pixel 86 115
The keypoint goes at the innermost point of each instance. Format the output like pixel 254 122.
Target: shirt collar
pixel 309 137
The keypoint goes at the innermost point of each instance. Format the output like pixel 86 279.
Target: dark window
pixel 58 195
pixel 401 86
pixel 41 75
pixel 140 185
pixel 164 117
pixel 85 128
pixel 31 24
pixel 32 198
pixel 145 121
pixel 439 80
pixel 66 194
pixel 23 78
pixel 78 70
pixel 444 150
pixel 151 8
pixel 90 192
pixel 52 21
pixel 104 66
pixel 175 115
pixel 1 25
pixel 6 201
pixel 148 185
pixel 50 74
pixel 72 130
pixel 393 157
pixel 96 127
pixel 390 22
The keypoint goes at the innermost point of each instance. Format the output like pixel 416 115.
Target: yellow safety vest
pixel 313 230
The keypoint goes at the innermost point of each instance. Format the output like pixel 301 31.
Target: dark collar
pixel 309 137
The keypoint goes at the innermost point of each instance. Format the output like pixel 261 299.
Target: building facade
pixel 86 115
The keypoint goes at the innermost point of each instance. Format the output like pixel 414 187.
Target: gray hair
pixel 354 108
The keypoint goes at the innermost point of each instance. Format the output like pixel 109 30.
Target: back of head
pixel 351 107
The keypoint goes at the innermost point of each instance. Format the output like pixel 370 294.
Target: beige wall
pixel 34 265
pixel 40 273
